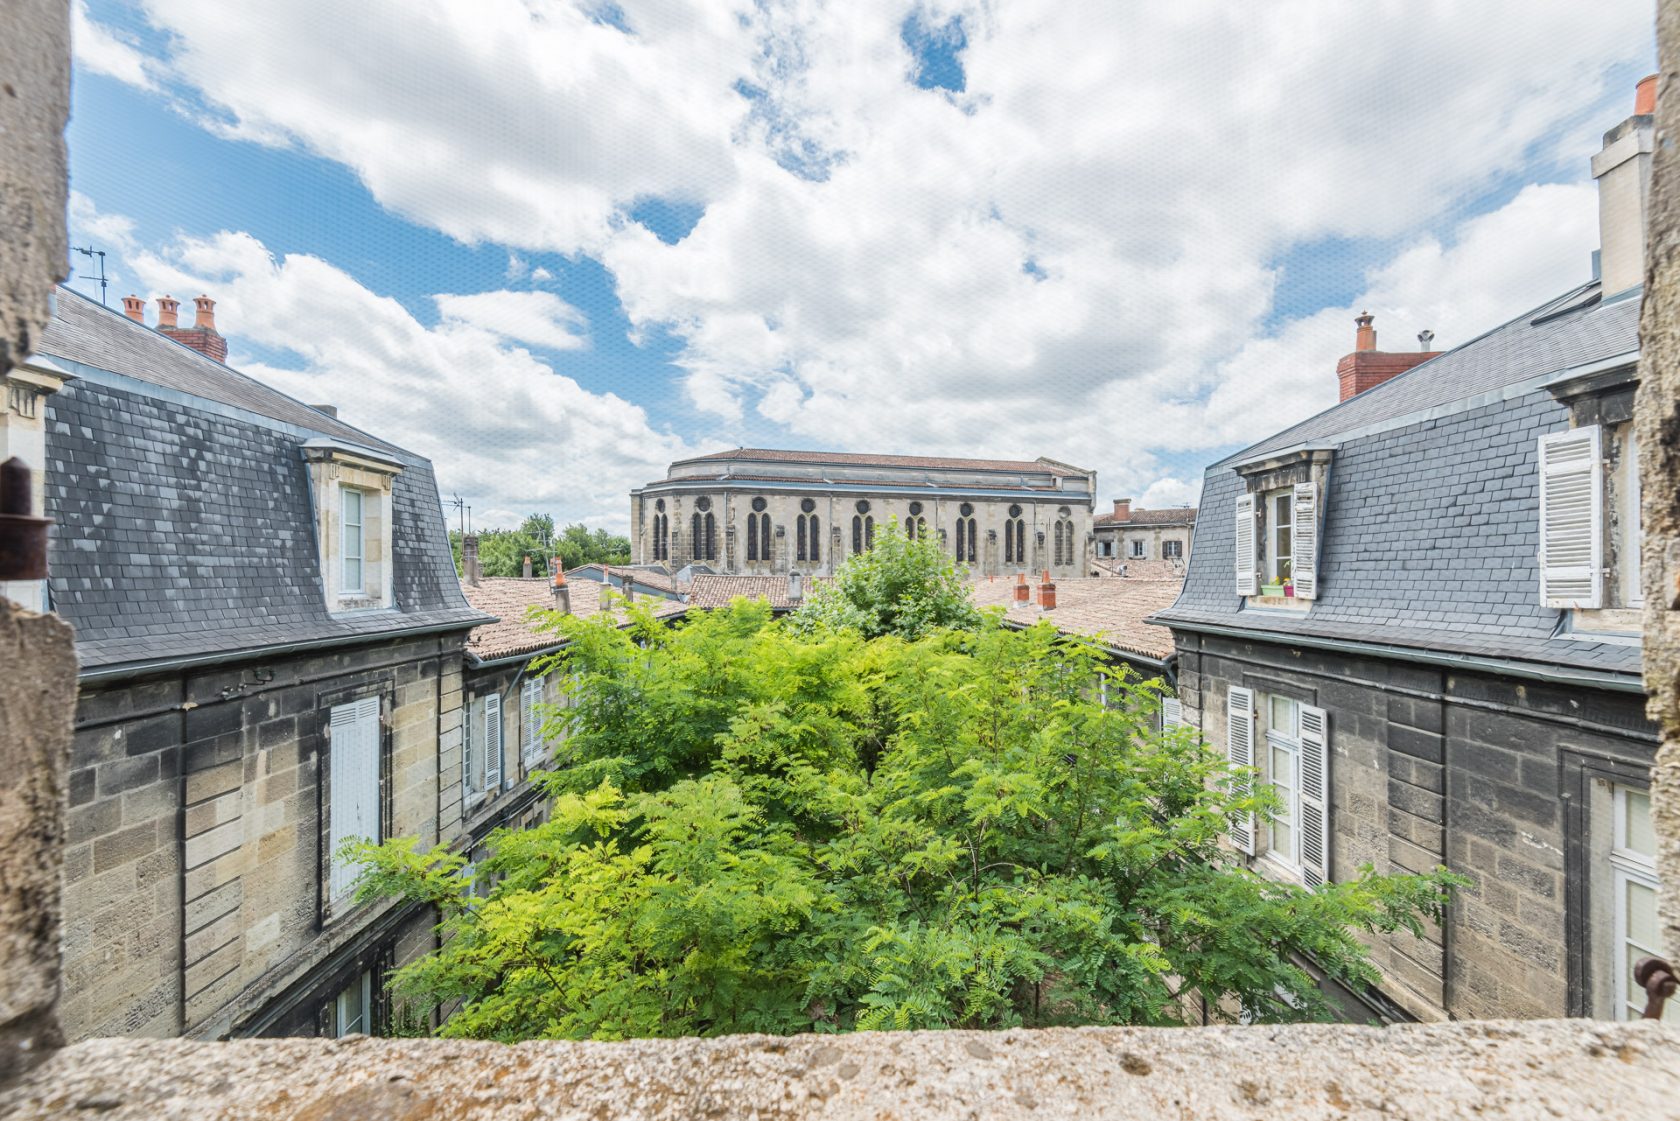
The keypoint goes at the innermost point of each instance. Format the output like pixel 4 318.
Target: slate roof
pixel 1109 610
pixel 719 591
pixel 1173 516
pixel 859 459
pixel 184 521
pixel 1431 525
pixel 511 598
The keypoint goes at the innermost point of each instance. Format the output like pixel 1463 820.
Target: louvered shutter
pixel 1315 796
pixel 492 741
pixel 1172 712
pixel 1239 749
pixel 1304 566
pixel 1571 519
pixel 354 782
pixel 531 749
pixel 1248 580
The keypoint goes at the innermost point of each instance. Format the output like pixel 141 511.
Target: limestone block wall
pixel 198 845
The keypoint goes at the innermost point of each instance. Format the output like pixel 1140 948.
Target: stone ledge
pixel 1496 1069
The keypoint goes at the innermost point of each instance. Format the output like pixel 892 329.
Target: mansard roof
pixel 1431 523
pixel 184 524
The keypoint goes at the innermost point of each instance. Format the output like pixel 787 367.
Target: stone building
pixel 1452 673
pixel 758 512
pixel 270 637
pixel 1125 534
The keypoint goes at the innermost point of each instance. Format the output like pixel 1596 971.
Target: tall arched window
pixel 764 553
pixel 752 537
pixel 696 534
pixel 857 533
pixel 816 539
pixel 1064 536
pixel 808 537
pixel 661 531
pixel 915 526
pixel 1015 537
pixel 968 533
pixel 863 527
pixel 1058 552
pixel 711 537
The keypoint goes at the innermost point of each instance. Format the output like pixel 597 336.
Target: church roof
pixel 861 459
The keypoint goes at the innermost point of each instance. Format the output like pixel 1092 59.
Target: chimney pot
pixel 562 596
pixel 205 320
pixel 1365 338
pixel 135 308
pixel 527 570
pixel 1047 595
pixel 167 309
pixel 1623 171
pixel 1425 338
pixel 1023 591
pixel 1645 96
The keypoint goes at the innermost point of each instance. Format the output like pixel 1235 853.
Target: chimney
pixel 629 588
pixel 1046 594
pixel 527 570
pixel 135 308
pixel 796 588
pixel 202 336
pixel 469 558
pixel 1623 171
pixel 1023 591
pixel 1368 367
pixel 330 410
pixel 562 592
pixel 1122 509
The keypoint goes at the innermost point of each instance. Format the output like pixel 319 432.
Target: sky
pixel 554 245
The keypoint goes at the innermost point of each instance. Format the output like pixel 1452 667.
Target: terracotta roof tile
pixel 1179 516
pixel 510 599
pixel 718 591
pixel 1107 609
pixel 858 458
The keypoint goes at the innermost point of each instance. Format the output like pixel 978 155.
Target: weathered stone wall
pixel 197 847
pixel 1657 420
pixel 34 183
pixel 1491 777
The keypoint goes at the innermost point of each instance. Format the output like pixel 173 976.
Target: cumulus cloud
pixel 103 51
pixel 539 318
pixel 1072 255
pixel 501 426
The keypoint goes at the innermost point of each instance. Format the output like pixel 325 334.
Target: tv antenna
pixel 90 253
pixel 462 509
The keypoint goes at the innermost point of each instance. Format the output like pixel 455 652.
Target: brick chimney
pixel 562 590
pixel 1046 594
pixel 1023 591
pixel 527 570
pixel 469 558
pixel 1122 509
pixel 1368 367
pixel 628 586
pixel 202 336
pixel 135 308
pixel 1623 171
pixel 796 588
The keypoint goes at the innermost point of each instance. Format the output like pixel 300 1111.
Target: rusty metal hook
pixel 1657 978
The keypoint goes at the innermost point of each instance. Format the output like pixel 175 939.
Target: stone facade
pixel 197 848
pixel 1124 534
pixel 1045 504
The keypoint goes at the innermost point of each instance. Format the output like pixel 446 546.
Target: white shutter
pixel 1304 566
pixel 467 787
pixel 530 724
pixel 1248 579
pixel 353 778
pixel 1239 749
pixel 1172 712
pixel 492 741
pixel 1571 519
pixel 1315 796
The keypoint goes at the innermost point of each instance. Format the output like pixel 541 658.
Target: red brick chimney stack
pixel 135 308
pixel 202 336
pixel 1023 591
pixel 1046 594
pixel 1368 367
pixel 1122 509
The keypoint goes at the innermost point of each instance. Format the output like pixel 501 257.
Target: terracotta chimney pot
pixel 168 307
pixel 135 308
pixel 206 317
pixel 527 571
pixel 1645 96
pixel 1365 338
pixel 1047 596
pixel 1023 591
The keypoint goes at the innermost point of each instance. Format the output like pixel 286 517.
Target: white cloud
pixel 102 51
pixel 1170 492
pixel 1070 257
pixel 501 427
pixel 538 318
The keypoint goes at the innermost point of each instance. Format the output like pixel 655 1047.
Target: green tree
pixel 900 585
pixel 502 552
pixel 761 830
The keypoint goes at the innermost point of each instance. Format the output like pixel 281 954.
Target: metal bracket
pixel 1657 978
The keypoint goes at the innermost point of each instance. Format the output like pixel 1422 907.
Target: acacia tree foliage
pixel 900 585
pixel 502 552
pixel 760 830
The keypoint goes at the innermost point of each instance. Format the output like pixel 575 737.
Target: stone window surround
pixel 328 911
pixel 335 466
pixel 1264 688
pixel 1272 471
pixel 1605 397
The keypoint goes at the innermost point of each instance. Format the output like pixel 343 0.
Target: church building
pixel 760 511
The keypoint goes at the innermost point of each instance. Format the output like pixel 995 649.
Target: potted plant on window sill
pixel 1289 589
pixel 1271 589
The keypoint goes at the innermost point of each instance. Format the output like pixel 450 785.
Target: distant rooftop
pixel 511 599
pixel 860 459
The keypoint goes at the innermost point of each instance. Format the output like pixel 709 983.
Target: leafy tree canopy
pixel 901 586
pixel 756 829
pixel 502 552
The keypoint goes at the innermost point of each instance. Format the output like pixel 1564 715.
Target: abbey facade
pixel 758 511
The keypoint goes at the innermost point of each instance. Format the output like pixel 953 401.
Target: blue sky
pixel 553 247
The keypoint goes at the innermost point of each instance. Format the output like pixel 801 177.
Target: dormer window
pixel 353 517
pixel 1277 530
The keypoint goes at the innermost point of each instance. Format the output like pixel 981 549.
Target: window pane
pixel 1637 834
pixel 1283 716
pixel 352 574
pixel 1641 917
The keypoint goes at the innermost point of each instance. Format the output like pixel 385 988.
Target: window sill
pixel 1274 868
pixel 1290 605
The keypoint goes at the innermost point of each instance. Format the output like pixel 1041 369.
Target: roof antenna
pixel 462 509
pixel 1425 337
pixel 90 253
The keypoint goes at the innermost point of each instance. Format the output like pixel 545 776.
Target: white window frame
pixel 1274 526
pixel 1628 867
pixel 1290 743
pixel 1172 549
pixel 530 723
pixel 354 750
pixel 357 587
pixel 1140 549
pixel 362 989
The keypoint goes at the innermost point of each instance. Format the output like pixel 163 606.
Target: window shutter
pixel 1304 567
pixel 1248 579
pixel 1172 712
pixel 1315 796
pixel 466 751
pixel 354 781
pixel 531 749
pixel 1239 749
pixel 1571 519
pixel 493 741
